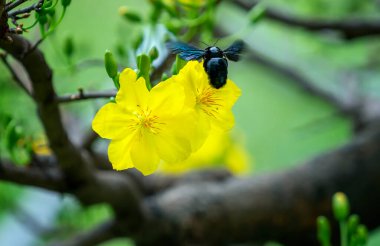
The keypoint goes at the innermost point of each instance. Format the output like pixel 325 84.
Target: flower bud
pixel 353 222
pixel 153 53
pixel 68 47
pixel 129 15
pixel 164 76
pixel 362 235
pixel 323 230
pixel 143 64
pixel 65 3
pixel 341 206
pixel 110 64
pixel 257 13
pixel 178 65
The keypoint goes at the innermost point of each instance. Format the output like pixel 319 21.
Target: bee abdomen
pixel 216 68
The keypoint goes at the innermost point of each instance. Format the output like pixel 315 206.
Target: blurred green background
pixel 281 124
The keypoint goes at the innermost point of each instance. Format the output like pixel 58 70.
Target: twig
pixel 81 95
pixel 161 68
pixel 29 9
pixel 351 29
pixel 16 78
pixel 14 4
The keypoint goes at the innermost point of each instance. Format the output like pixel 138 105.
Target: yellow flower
pixel 144 126
pixel 212 106
pixel 219 150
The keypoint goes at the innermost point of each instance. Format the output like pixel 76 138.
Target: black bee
pixel 215 60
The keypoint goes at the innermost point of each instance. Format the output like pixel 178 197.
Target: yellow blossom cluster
pixel 166 124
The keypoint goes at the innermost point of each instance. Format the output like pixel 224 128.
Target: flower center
pixel 208 101
pixel 147 121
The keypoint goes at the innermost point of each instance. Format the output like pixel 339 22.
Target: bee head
pixel 213 52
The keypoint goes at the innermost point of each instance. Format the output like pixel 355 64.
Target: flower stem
pixel 343 233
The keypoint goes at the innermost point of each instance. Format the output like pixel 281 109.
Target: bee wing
pixel 233 52
pixel 185 51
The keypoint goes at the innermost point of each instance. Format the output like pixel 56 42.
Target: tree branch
pixel 81 95
pixel 350 29
pixel 50 179
pixel 29 9
pixel 14 4
pixel 270 207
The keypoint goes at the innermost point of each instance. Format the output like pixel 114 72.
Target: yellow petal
pixel 113 122
pixel 224 120
pixel 132 93
pixel 143 154
pixel 172 147
pixel 201 131
pixel 119 154
pixel 167 98
pixel 228 94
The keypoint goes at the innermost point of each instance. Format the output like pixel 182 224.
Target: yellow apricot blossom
pixel 220 149
pixel 212 106
pixel 144 126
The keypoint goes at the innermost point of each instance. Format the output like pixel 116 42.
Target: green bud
pixel 110 64
pixel 353 222
pixel 129 15
pixel 51 12
pixel 362 235
pixel 143 64
pixel 68 47
pixel 354 240
pixel 41 17
pixel 137 42
pixel 116 81
pixel 178 65
pixel 121 51
pixel 164 77
pixel 47 3
pixel 153 53
pixel 323 231
pixel 65 3
pixel 257 13
pixel 341 206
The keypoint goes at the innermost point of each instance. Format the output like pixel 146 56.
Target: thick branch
pixel 281 206
pixel 351 29
pixel 50 179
